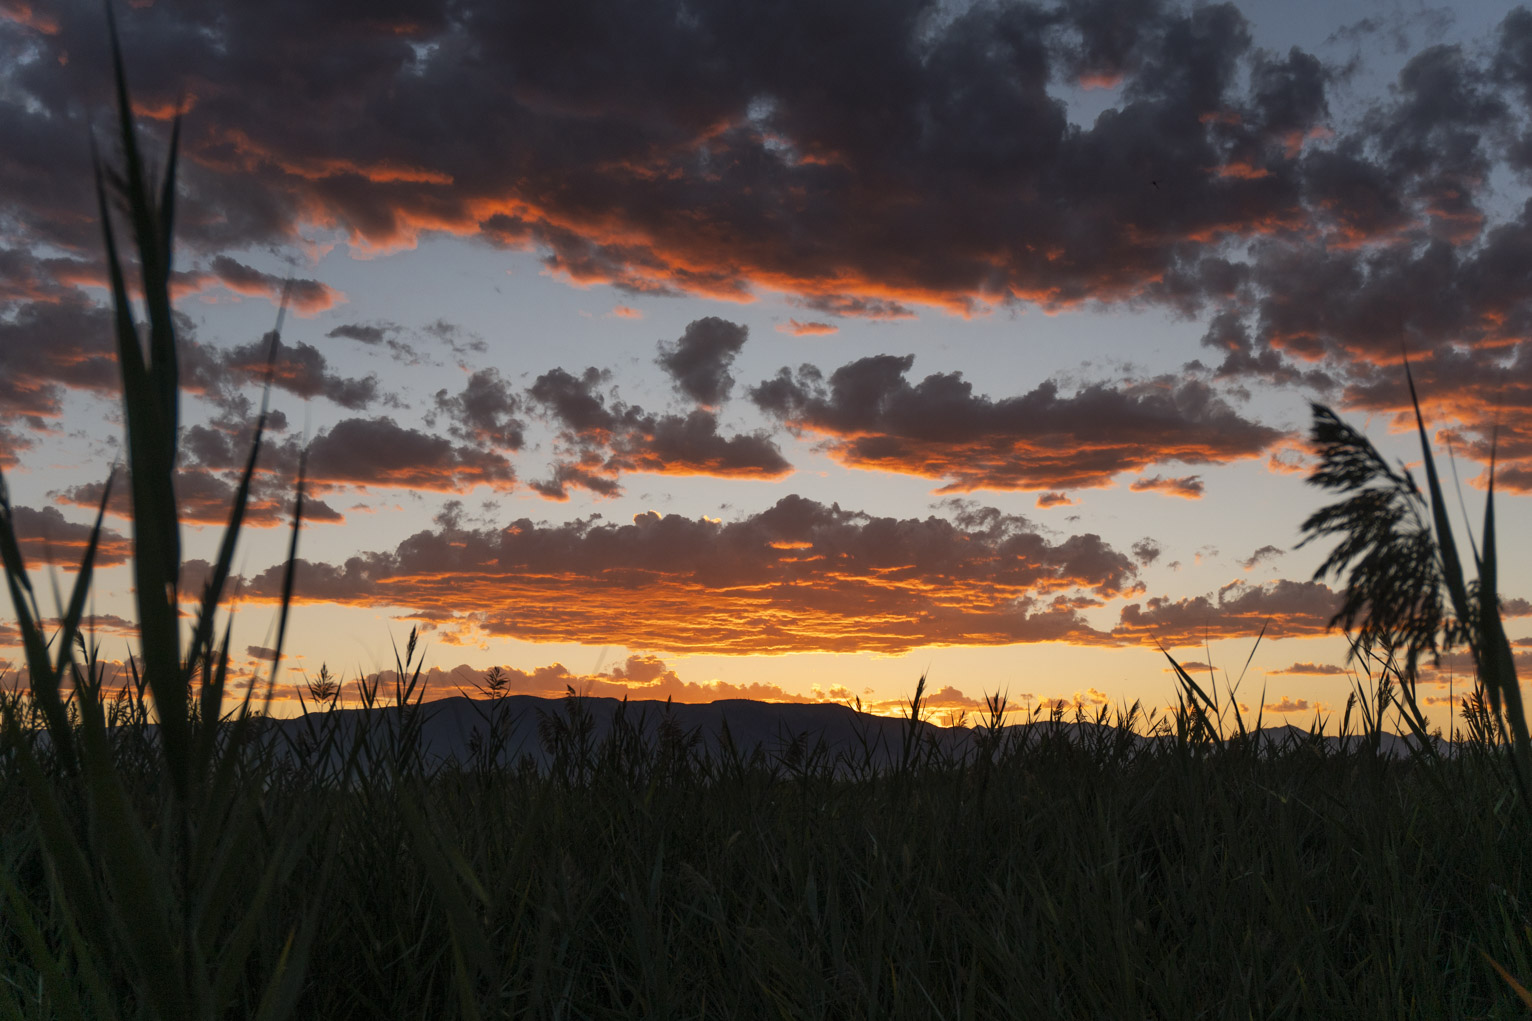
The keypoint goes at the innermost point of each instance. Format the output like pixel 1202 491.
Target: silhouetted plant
pixel 1404 574
pixel 1398 567
pixel 139 889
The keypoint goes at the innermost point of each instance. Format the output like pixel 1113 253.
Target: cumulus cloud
pixel 872 417
pixel 1312 669
pixel 698 362
pixel 484 411
pixel 885 161
pixel 46 537
pixel 601 437
pixel 799 576
pixel 1294 609
pixel 300 369
pixel 1287 704
pixel 50 348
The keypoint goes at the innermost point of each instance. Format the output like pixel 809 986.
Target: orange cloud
pixel 1312 669
pixel 806 329
pixel 24 13
pixel 1291 705
pixel 695 585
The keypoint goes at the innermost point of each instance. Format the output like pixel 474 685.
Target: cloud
pixel 881 160
pixel 799 328
pixel 625 312
pixel 602 438
pixel 1147 551
pixel 1312 669
pixel 1295 609
pixel 873 418
pixel 300 369
pixel 205 497
pixel 1260 556
pixel 800 576
pixel 378 452
pixel 307 297
pixel 1189 487
pixel 49 348
pixel 361 332
pixel 484 412
pixel 45 537
pixel 1055 499
pixel 699 361
pixel 1287 704
pixel 641 676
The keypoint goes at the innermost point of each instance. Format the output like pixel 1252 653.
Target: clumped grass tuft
pixel 163 856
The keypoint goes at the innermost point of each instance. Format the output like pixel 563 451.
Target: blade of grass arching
pixel 1239 718
pixel 151 459
pixel 213 592
pixel 290 571
pixel 29 624
pixel 152 234
pixel 1516 987
pixel 1193 689
pixel 201 649
pixel 1446 545
pixel 69 625
pixel 1498 662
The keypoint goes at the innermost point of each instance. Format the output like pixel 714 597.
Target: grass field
pixel 163 859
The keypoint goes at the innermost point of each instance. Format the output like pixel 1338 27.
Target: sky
pixel 787 350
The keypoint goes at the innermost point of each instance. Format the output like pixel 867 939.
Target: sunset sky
pixel 787 349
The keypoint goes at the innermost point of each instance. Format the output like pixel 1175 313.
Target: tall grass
pixel 163 856
pixel 1407 594
pixel 159 871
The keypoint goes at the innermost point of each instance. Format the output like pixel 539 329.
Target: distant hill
pixel 448 729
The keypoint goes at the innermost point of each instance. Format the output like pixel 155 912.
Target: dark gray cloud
pixel 301 369
pixel 360 332
pixel 484 412
pixel 873 417
pixel 881 153
pixel 879 156
pixel 601 437
pixel 303 294
pixel 699 361
pixel 46 537
pixel 49 347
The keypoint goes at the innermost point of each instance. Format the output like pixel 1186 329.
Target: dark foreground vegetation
pixel 163 856
pixel 633 877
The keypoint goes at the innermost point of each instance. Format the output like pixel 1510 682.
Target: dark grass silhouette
pixel 167 857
